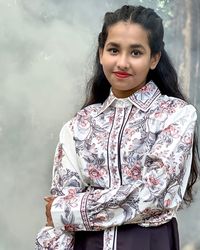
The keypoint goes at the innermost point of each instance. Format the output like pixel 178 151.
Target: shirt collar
pixel 142 99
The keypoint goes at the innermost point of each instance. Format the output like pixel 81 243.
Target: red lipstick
pixel 121 74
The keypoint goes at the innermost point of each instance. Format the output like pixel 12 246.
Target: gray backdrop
pixel 46 54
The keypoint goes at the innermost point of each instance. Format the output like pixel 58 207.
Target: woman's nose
pixel 122 62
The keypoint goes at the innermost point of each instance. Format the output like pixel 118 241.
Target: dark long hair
pixel 164 75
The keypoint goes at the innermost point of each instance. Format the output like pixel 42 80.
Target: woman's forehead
pixel 127 32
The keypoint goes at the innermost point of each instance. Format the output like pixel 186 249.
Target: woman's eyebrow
pixel 132 46
pixel 137 46
pixel 112 44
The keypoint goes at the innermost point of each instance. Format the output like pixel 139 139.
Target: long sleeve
pixel 165 172
pixel 65 180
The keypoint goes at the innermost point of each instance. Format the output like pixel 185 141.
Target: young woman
pixel 127 161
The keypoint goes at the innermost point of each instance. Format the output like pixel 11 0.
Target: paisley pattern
pixel 125 161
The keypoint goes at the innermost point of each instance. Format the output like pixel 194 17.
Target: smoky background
pixel 47 49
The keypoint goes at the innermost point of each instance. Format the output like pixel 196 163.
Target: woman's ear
pixel 100 55
pixel 155 60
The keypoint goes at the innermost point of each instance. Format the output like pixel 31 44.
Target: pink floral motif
pixel 158 114
pixel 101 217
pixel 187 139
pixel 171 170
pixel 83 121
pixel 71 197
pixel 96 173
pixel 167 203
pixel 153 181
pixel 134 172
pixel 173 130
pixel 71 228
pixel 59 155
pixel 148 88
pixel 71 194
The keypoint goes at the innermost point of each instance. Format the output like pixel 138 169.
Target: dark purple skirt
pixel 133 237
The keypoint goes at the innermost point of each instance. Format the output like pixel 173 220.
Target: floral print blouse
pixel 121 162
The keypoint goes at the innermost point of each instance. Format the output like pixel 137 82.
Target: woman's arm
pixel 66 177
pixel 165 173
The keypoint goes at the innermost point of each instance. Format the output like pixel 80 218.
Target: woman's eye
pixel 113 51
pixel 136 53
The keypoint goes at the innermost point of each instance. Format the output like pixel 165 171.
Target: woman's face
pixel 126 58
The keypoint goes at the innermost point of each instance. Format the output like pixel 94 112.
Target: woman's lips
pixel 120 74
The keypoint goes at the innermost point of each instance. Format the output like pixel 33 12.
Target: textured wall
pixel 46 53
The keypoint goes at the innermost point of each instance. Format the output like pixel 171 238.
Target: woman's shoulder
pixel 82 117
pixel 173 103
pixel 90 110
pixel 87 113
pixel 172 109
